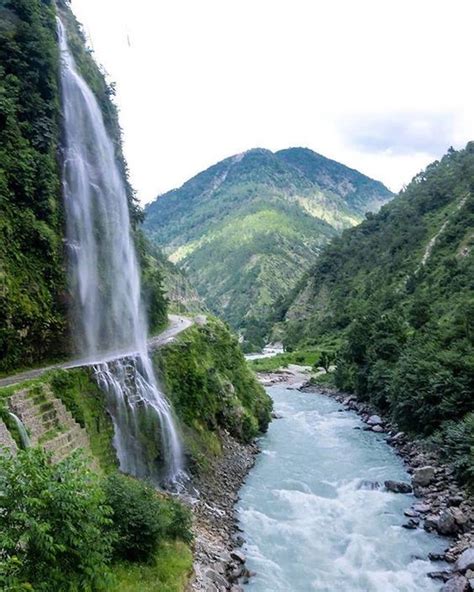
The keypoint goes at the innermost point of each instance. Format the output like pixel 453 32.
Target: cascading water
pixel 25 439
pixel 104 278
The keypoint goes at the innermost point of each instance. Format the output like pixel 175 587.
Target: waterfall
pixel 108 315
pixel 25 439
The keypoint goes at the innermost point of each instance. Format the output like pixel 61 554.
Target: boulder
pixel 423 477
pixel 459 516
pixel 374 420
pixel 216 578
pixel 370 485
pixel 411 524
pixel 465 561
pixel 446 524
pixel 440 575
pixel 422 508
pixel 238 555
pixel 378 429
pixel 431 522
pixel 398 486
pixel 456 584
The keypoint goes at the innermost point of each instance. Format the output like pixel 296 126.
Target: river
pixel 311 521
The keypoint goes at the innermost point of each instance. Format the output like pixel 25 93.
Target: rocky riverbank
pixel 440 504
pixel 219 564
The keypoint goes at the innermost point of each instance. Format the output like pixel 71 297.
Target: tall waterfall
pixel 109 320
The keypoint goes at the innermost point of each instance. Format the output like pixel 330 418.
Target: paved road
pixel 177 324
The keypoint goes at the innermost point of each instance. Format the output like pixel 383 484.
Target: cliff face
pixel 34 297
pixel 32 272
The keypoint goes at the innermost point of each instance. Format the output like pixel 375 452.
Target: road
pixel 177 324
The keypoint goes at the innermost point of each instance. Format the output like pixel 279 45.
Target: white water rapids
pixel 311 520
pixel 105 282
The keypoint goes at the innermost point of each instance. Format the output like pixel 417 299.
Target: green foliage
pixel 33 285
pixel 79 392
pixel 210 385
pixel 52 524
pixel 32 278
pixel 398 289
pixel 168 571
pixel 325 352
pixel 456 440
pixel 137 517
pixel 178 521
pixel 266 217
pixel 141 519
pixel 152 283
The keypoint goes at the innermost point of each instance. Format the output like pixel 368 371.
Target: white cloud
pixel 199 81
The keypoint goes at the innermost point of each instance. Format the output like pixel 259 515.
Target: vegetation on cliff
pixel 399 290
pixel 34 297
pixel 211 388
pixel 247 228
pixel 142 534
pixel 32 272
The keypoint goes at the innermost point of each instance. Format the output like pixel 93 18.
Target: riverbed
pixel 312 514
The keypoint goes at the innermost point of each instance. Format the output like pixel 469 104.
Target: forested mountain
pixel 399 291
pixel 34 296
pixel 248 227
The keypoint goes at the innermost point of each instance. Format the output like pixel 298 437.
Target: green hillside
pixel 399 290
pixel 247 228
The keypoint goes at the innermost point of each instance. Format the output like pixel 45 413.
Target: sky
pixel 383 86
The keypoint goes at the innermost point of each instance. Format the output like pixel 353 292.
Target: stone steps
pixel 49 423
pixel 6 440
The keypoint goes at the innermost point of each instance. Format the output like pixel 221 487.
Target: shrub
pixel 53 521
pixel 179 521
pixel 457 445
pixel 139 522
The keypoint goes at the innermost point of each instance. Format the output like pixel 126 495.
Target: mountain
pixel 247 228
pixel 398 293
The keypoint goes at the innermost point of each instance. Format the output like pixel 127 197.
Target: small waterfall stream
pixel 25 439
pixel 105 282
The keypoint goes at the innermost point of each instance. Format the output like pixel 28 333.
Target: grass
pixel 83 398
pixel 301 357
pixel 168 572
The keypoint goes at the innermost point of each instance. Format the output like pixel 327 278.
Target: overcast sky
pixel 384 86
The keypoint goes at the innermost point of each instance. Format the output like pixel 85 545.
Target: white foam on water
pixel 308 523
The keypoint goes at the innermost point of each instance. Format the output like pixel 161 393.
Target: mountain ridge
pixel 266 214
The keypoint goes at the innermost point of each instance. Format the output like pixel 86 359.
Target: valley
pixel 262 380
pixel 268 215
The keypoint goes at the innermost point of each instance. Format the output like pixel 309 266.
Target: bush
pixel 179 521
pixel 456 441
pixel 138 521
pixel 141 519
pixel 53 525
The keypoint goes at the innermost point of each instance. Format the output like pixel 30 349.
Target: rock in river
pixel 465 560
pixel 456 584
pixel 398 486
pixel 374 420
